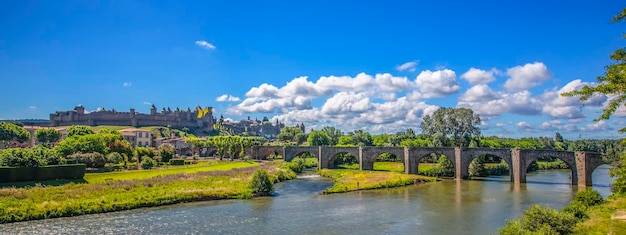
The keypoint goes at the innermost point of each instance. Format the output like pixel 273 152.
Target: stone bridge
pixel 581 164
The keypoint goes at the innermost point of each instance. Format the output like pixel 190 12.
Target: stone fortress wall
pixel 175 119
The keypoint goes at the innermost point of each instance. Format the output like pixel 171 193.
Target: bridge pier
pixel 585 164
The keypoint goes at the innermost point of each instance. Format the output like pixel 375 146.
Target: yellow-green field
pixel 351 180
pixel 128 190
pixel 144 174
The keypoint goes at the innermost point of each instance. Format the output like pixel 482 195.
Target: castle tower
pixel 153 110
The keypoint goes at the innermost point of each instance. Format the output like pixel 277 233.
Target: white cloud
pixel 408 66
pixel 558 125
pixel 225 97
pixel 437 84
pixel 480 92
pixel 147 103
pixel 281 105
pixel 347 102
pixel 32 107
pixel 558 106
pixel 597 126
pixel 478 76
pixel 263 91
pixel 205 44
pixel 524 126
pixel 527 76
pixel 517 103
pixel 127 84
pixel 302 87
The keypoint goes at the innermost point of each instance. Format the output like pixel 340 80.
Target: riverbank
pixel 347 180
pixel 106 194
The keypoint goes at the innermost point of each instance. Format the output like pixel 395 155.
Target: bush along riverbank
pixel 39 202
pixel 352 180
pixel 588 213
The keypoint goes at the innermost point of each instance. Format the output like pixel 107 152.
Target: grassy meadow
pixel 159 187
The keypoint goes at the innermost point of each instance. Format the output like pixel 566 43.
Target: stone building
pixel 137 137
pixel 256 127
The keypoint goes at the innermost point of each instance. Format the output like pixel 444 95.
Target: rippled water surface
pixel 447 207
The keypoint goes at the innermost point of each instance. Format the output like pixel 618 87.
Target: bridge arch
pixel 293 151
pixel 413 155
pixel 263 152
pixel 469 154
pixel 369 154
pixel 330 154
pixel 527 157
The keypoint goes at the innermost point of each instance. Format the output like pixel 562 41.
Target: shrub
pixel 261 184
pixel 589 197
pixel 177 162
pixel 577 209
pixel 147 162
pixel 166 151
pixel 91 160
pixel 297 165
pixel 115 158
pixel 21 157
pixel 537 217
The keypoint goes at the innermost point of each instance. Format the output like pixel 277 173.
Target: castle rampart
pixel 200 118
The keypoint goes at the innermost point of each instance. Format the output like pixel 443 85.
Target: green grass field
pixel 144 190
pixel 351 180
pixel 145 174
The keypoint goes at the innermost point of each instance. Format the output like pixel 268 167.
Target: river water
pixel 446 207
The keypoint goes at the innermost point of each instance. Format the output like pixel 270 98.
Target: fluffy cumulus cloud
pixel 527 76
pixel 341 92
pixel 487 102
pixel 558 106
pixel 386 103
pixel 205 45
pixel 347 102
pixel 408 66
pixel 439 83
pixel 478 76
pixel 127 84
pixel 225 97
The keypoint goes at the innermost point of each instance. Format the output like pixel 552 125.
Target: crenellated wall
pixel 176 119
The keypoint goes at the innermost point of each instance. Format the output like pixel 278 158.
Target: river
pixel 446 207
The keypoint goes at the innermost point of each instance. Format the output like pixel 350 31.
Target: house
pixel 182 147
pixel 137 137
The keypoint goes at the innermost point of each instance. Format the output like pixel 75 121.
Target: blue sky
pixel 378 66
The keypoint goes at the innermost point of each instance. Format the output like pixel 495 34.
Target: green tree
pixel 289 133
pixel 362 138
pixel 166 151
pixel 318 138
pixel 333 133
pixel 444 166
pixel 261 184
pixel 477 167
pixel 47 136
pixel 459 124
pixel 12 132
pixel 77 130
